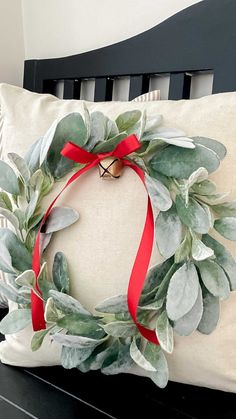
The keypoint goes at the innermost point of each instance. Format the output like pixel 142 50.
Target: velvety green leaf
pixel 27 279
pixel 32 156
pixel 5 259
pixel 168 225
pixel 192 215
pixel 162 289
pixel 209 213
pixel 212 199
pixel 227 209
pixel 60 272
pixel 38 338
pixel 184 249
pixel 21 258
pixel 79 324
pixel 73 357
pixel 226 226
pixel 98 127
pixel 51 314
pixel 120 329
pixel 213 145
pixel 153 122
pixel 109 145
pixel 182 291
pixel 12 293
pixel 97 358
pixel 139 358
pixel 15 321
pixel 164 332
pixel 123 363
pixel 223 258
pixel 32 205
pixel 155 356
pixel 206 187
pixel 117 304
pixel 155 306
pixel 10 217
pixel 155 275
pixel 60 218
pixel 190 321
pixel 179 162
pixel 159 194
pixel 197 176
pixel 127 120
pixel 67 304
pixel 200 251
pixel 214 279
pixel 5 201
pixel 80 342
pixel 211 314
pixel 20 165
pixel 70 128
pixel 8 179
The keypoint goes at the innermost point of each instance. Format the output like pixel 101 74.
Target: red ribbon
pixel 142 260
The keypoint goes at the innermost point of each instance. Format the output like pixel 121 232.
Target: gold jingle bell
pixel 110 168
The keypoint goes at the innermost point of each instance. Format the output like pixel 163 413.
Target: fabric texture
pixel 147 97
pixel 117 209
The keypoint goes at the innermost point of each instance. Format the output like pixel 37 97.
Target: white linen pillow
pixel 25 117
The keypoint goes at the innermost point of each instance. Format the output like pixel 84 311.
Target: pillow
pixel 148 97
pixel 25 117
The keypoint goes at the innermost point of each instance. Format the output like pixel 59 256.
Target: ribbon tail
pixel 141 264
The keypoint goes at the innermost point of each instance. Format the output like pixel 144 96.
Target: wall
pixel 54 28
pixel 11 42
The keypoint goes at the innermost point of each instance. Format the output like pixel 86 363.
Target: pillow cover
pixel 212 116
pixel 148 97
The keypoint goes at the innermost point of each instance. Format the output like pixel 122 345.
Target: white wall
pixel 11 42
pixel 54 28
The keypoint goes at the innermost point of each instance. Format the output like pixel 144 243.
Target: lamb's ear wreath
pixel 182 294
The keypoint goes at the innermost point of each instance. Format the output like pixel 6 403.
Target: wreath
pixel 180 295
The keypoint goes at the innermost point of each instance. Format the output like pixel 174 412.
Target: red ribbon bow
pixel 141 263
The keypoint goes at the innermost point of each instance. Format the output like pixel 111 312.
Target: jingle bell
pixel 110 168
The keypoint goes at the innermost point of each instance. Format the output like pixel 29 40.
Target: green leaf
pixel 60 272
pixel 156 274
pixel 38 338
pixel 223 258
pixel 211 314
pixel 214 279
pixel 12 293
pixel 5 201
pixel 184 249
pixel 60 218
pixel 127 120
pixel 98 125
pixel 8 179
pixel 182 291
pixel 155 306
pixel 15 321
pixel 109 145
pixel 70 128
pixel 226 209
pixel 80 342
pixel 79 324
pixel 198 176
pixel 120 329
pixel 33 155
pixel 180 163
pixel 123 363
pixel 213 145
pixel 21 258
pixel 73 357
pixel 10 217
pixel 159 194
pixel 5 259
pixel 115 305
pixel 211 199
pixel 162 289
pixel 164 333
pixel 67 304
pixel 32 205
pixel 27 279
pixel 20 165
pixel 190 321
pixel 51 313
pixel 139 358
pixel 226 226
pixel 192 215
pixel 168 225
pixel 206 187
pixel 200 251
pixel 155 356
